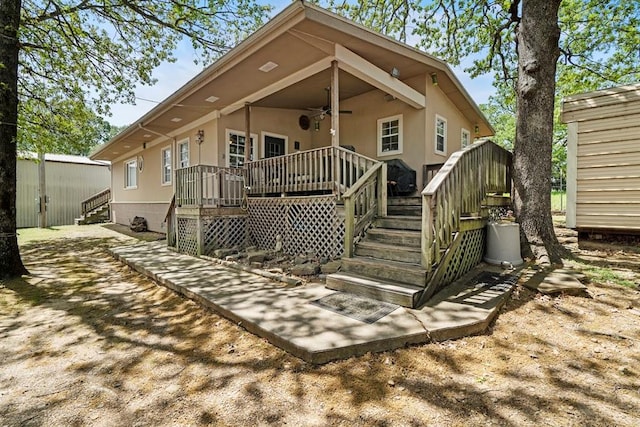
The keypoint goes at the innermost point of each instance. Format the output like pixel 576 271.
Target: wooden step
pixel 404 201
pixel 390 236
pixel 388 252
pixel 400 222
pixel 393 271
pixel 405 210
pixel 395 293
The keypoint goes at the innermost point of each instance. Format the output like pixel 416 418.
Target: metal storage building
pixel 69 181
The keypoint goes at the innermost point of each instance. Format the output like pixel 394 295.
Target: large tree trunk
pixel 10 262
pixel 537 37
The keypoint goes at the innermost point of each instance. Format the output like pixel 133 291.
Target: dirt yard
pixel 86 341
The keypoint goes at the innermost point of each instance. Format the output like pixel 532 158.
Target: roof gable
pixel 303 38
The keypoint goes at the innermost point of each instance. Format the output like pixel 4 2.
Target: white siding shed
pixel 603 160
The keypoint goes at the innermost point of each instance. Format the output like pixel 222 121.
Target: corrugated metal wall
pixel 68 184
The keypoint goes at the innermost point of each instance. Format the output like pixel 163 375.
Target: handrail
pixel 96 201
pixel 332 169
pixel 209 186
pixel 170 219
pixel 362 201
pixel 458 189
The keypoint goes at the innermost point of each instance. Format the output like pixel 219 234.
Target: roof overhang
pixel 302 41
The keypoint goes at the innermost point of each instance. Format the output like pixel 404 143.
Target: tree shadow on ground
pixel 138 353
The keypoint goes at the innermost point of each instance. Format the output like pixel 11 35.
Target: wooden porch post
pixel 335 104
pixel 247 134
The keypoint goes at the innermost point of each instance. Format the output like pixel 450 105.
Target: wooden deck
pixel 333 202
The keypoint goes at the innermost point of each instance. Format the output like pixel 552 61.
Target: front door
pixel 274 146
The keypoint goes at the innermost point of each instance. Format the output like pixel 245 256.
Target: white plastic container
pixel 503 244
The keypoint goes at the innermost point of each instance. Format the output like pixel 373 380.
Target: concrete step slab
pixel 284 315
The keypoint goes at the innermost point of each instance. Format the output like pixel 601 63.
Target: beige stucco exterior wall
pixel 439 104
pixel 360 128
pixel 278 121
pixel 151 198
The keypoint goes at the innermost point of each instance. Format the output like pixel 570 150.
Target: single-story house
pixel 603 160
pixel 69 181
pixel 338 117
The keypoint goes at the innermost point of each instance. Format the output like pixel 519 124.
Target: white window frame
pixel 127 169
pixel 444 136
pixel 263 136
pixel 464 132
pixel 228 133
pixel 381 122
pixel 181 162
pixel 164 166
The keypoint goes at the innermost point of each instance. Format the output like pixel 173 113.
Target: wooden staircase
pixel 386 265
pixel 95 209
pixel 409 255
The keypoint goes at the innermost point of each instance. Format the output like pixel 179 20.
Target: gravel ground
pixel 85 340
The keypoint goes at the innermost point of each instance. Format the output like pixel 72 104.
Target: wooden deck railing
pixel 329 168
pixel 458 189
pixel 365 199
pixel 170 219
pixel 95 201
pixel 429 172
pixel 210 186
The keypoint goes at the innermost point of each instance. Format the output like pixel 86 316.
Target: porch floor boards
pixel 284 315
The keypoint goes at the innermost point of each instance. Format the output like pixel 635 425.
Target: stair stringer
pixel 464 253
pixel 433 283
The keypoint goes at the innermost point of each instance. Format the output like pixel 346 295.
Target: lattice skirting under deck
pixel 217 232
pixel 187 235
pixel 306 224
pixel 225 232
pixel 468 255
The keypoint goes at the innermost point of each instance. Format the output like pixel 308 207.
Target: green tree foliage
pixel 79 56
pixel 66 61
pixel 581 44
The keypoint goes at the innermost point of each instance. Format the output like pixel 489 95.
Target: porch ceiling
pixel 301 37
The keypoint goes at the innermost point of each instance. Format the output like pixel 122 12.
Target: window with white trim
pixel 465 138
pixel 441 135
pixel 166 165
pixel 236 146
pixel 183 154
pixel 131 173
pixel 390 135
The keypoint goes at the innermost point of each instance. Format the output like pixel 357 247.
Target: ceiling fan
pixel 325 110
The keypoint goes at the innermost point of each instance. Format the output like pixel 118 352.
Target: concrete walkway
pixel 284 316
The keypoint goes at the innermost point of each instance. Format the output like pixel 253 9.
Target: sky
pixel 171 76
